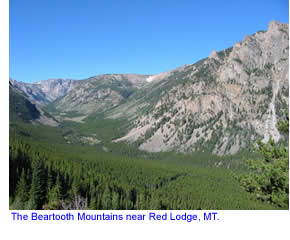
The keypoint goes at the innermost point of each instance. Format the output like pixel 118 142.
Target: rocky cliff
pixel 220 103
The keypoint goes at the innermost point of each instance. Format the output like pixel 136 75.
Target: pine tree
pixel 115 201
pixel 269 176
pixel 140 203
pixel 55 195
pixel 75 188
pixel 106 199
pixel 21 195
pixel 49 178
pixel 93 203
pixel 37 189
pixel 155 203
pixel 93 199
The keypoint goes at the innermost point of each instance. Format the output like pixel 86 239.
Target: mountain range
pixel 220 103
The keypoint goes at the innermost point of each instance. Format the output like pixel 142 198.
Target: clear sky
pixel 81 38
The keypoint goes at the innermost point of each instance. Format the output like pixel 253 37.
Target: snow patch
pixel 149 79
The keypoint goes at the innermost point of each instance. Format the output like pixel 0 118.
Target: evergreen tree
pixel 59 186
pixel 93 199
pixel 106 199
pixel 21 195
pixel 49 178
pixel 93 203
pixel 269 177
pixel 37 189
pixel 155 203
pixel 140 203
pixel 115 201
pixel 75 188
pixel 55 196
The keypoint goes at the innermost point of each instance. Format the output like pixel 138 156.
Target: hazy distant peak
pixel 43 92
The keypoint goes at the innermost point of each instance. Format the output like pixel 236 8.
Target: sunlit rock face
pixel 221 103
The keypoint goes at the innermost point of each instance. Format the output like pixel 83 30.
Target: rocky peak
pixel 214 55
pixel 275 26
pixel 221 103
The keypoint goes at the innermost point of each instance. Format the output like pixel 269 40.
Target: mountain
pixel 100 93
pixel 21 108
pixel 43 92
pixel 220 103
pixel 54 88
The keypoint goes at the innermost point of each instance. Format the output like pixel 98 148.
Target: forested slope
pixel 70 177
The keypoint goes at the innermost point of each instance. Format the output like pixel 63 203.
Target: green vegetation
pixel 225 53
pixel 269 176
pixel 48 173
pixel 268 66
pixel 238 60
pixel 52 168
pixel 54 176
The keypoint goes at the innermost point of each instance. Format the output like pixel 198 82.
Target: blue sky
pixel 81 38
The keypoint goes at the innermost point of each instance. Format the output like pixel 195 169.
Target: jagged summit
pixel 214 55
pixel 223 102
pixel 276 26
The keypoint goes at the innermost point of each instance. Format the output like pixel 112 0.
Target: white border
pixel 233 224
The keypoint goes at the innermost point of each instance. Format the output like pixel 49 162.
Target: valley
pixel 175 140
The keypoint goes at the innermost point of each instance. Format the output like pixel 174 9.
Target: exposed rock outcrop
pixel 223 102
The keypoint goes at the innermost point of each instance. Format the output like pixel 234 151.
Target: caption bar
pixel 83 216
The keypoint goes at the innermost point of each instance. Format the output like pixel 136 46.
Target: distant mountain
pixel 54 88
pixel 100 93
pixel 43 92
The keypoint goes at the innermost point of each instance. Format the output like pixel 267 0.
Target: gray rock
pixel 221 103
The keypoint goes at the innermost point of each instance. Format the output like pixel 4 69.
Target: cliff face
pixel 220 103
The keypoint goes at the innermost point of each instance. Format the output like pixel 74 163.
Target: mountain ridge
pixel 42 92
pixel 219 104
pixel 222 102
